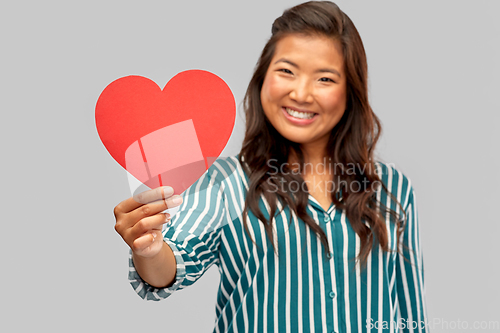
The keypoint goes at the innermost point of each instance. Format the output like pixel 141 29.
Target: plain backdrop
pixel 434 82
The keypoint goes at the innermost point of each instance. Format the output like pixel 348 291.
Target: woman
pixel 310 234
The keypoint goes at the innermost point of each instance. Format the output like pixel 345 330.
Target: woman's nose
pixel 302 92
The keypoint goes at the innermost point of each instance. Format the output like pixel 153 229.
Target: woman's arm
pixel 193 236
pixel 410 272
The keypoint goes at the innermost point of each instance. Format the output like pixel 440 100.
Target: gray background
pixel 434 83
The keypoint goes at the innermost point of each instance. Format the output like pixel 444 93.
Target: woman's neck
pixel 314 155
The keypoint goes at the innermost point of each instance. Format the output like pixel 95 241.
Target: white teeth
pixel 301 115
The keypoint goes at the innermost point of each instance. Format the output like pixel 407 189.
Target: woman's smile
pixel 299 117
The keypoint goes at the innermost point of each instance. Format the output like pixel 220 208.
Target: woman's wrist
pixel 159 270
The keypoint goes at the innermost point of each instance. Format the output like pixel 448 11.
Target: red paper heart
pixel 169 136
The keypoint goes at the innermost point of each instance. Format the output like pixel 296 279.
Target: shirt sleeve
pixel 193 235
pixel 410 273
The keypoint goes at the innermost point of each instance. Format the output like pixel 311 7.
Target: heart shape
pixel 170 136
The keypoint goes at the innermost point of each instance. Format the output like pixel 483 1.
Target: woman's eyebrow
pixel 329 70
pixel 287 61
pixel 321 70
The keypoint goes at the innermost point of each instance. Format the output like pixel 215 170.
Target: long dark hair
pixel 352 140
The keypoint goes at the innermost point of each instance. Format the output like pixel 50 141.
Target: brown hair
pixel 352 140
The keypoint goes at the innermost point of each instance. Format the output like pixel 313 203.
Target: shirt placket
pixel 326 220
pixel 332 257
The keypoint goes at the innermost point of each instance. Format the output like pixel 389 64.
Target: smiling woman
pixel 309 232
pixel 315 62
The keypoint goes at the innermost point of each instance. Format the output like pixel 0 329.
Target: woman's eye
pixel 326 79
pixel 284 70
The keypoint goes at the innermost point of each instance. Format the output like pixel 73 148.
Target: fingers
pixel 151 209
pixel 158 194
pixel 143 242
pixel 141 215
pixel 148 224
pixel 148 243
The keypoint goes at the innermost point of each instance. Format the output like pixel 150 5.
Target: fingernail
pixel 177 200
pixel 168 191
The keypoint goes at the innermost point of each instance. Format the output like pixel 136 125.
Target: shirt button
pixel 327 218
pixel 332 294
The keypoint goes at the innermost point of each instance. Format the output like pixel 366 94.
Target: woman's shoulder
pixel 226 169
pixel 395 181
pixel 227 164
pixel 221 182
pixel 227 174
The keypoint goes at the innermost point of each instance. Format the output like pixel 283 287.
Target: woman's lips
pixel 296 120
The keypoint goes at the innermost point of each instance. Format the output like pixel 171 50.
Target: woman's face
pixel 304 90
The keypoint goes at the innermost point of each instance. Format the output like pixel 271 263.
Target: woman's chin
pixel 299 139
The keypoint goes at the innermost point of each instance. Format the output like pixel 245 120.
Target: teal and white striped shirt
pixel 301 289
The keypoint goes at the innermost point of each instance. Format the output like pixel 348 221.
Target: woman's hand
pixel 139 220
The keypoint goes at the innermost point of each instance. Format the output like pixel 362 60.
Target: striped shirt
pixel 299 288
